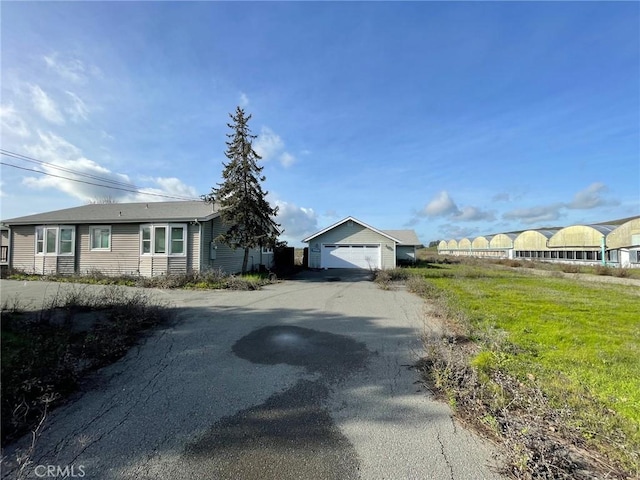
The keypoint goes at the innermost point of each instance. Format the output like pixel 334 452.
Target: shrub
pixel 603 270
pixel 210 279
pixel 43 358
pixel 570 268
pixel 622 272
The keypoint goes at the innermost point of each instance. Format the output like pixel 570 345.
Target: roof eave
pixel 337 224
pixel 119 220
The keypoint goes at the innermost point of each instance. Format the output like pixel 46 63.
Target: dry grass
pixel 558 417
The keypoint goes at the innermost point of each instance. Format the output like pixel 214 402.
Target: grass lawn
pixel 580 341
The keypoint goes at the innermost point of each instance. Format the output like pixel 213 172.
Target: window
pixel 39 240
pixel 160 243
pixel 177 240
pixel 66 241
pixel 55 240
pixel 100 238
pixel 154 239
pixel 146 240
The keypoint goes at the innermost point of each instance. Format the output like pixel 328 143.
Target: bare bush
pixel 44 353
pixel 570 268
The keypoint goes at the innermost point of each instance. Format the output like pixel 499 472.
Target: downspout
pixel 199 244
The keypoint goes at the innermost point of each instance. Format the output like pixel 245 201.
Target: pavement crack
pixel 444 455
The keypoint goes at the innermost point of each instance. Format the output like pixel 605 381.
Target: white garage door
pixel 350 256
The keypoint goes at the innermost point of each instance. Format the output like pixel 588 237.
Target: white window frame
pixel 167 239
pixel 58 243
pixel 92 230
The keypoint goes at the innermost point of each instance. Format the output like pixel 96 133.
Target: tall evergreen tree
pixel 245 212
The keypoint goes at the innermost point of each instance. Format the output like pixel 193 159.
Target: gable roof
pixel 143 212
pixel 403 237
pixel 406 237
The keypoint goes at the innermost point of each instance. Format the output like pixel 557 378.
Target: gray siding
pixel 206 234
pixel 228 259
pixel 66 264
pixel 153 265
pixel 23 249
pixel 124 257
pixel 176 265
pixel 354 233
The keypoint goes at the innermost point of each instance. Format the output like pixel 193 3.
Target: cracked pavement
pixel 200 399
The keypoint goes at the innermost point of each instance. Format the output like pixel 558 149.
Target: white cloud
pixel 590 197
pixel 440 205
pixel 244 99
pixel 450 231
pixel 545 213
pixel 166 186
pixel 286 159
pixel 78 109
pixel 443 205
pixel 270 146
pixel 66 156
pixel 74 174
pixel 71 69
pixel 45 106
pixel 12 122
pixel 297 222
pixel 471 214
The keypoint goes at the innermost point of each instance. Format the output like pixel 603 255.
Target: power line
pixel 115 185
pixel 64 169
pixel 133 190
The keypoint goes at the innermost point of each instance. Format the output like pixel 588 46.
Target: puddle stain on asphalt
pixel 291 435
pixel 333 356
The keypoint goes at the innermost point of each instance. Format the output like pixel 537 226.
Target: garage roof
pixel 407 237
pixel 402 237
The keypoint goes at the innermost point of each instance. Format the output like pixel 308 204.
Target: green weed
pixel 579 341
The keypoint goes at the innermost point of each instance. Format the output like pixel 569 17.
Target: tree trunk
pixel 245 261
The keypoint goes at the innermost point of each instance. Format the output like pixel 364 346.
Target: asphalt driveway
pixel 306 379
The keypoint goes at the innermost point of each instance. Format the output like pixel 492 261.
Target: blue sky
pixel 454 119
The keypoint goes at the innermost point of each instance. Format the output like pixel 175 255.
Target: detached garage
pixel 351 243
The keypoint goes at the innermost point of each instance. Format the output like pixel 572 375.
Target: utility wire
pixel 64 169
pixel 133 190
pixel 127 187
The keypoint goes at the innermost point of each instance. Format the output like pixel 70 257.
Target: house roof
pixel 403 237
pixel 406 237
pixel 123 213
